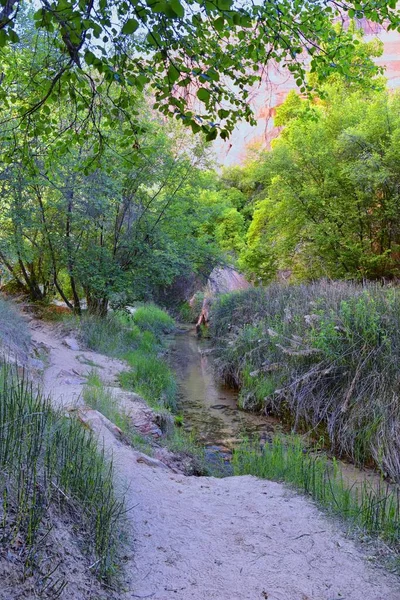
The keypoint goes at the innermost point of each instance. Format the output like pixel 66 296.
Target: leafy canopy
pixel 199 57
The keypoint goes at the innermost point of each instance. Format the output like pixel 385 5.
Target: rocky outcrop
pixel 222 280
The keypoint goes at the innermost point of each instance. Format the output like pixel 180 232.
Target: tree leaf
pixel 203 94
pixel 130 27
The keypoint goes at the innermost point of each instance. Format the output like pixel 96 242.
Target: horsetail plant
pixel 48 460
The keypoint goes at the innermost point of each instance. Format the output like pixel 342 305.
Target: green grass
pixel 174 439
pixel 139 338
pixel 49 462
pixel 151 378
pixel 148 375
pixel 374 509
pixel 98 397
pixel 150 317
pixel 108 335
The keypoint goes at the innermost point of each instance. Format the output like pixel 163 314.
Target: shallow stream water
pixel 209 408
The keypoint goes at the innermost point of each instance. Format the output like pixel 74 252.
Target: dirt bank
pixel 236 538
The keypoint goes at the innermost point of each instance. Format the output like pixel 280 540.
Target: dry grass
pixel 324 357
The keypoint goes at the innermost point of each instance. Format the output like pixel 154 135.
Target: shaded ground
pixel 236 538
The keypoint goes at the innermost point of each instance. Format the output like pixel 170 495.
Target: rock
pixel 151 462
pixel 71 343
pixel 164 422
pixel 96 420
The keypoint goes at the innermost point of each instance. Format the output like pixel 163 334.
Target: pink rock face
pixel 277 83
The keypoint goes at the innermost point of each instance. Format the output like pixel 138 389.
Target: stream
pixel 209 408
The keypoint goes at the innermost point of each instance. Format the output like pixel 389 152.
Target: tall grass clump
pixel 150 317
pixel 150 377
pixel 14 335
pixel 49 464
pixel 109 335
pixel 373 508
pixel 324 357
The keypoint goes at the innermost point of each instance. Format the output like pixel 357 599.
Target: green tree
pixel 331 202
pixel 199 57
pixel 125 225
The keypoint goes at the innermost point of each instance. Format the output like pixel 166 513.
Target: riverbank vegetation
pixel 323 357
pixel 109 200
pixel 369 507
pixel 141 338
pixel 138 338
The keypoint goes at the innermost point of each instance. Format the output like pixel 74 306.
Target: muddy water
pixel 209 408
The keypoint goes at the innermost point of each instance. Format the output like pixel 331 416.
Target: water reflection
pixel 210 408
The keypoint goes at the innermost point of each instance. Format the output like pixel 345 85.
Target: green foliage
pixel 110 220
pixel 327 193
pixel 152 318
pixel 189 454
pixel 139 339
pixel 189 312
pixel 322 356
pixel 150 377
pixel 372 508
pixel 50 463
pixel 185 313
pixel 89 51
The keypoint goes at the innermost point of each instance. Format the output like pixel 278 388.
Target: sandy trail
pixel 202 538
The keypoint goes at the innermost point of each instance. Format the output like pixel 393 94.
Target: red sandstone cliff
pixel 275 86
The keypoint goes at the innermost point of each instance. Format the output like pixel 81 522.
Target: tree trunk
pixel 97 306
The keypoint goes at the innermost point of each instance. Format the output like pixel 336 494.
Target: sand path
pixel 238 538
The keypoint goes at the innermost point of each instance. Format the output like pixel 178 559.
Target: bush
pixel 151 318
pixel 50 463
pixel 324 356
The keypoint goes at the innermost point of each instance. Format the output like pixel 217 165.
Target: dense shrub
pixel 150 317
pixel 324 355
